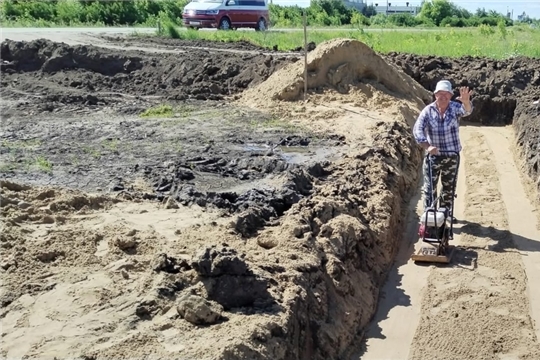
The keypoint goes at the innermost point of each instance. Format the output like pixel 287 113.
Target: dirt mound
pixel 263 233
pixel 527 126
pixel 154 41
pixel 63 74
pixel 505 92
pixel 341 65
pixel 51 57
pixel 498 84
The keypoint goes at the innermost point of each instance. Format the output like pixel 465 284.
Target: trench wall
pixel 348 232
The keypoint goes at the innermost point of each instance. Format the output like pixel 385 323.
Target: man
pixel 437 131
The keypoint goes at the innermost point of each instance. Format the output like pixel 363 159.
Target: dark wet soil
pixel 498 85
pixel 204 153
pixel 58 75
pixel 505 92
pixel 75 116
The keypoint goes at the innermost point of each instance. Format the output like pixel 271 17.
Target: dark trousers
pixel 444 167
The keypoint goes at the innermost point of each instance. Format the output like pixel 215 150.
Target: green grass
pixel 96 154
pixel 484 41
pixel 42 163
pixel 158 111
pixel 20 144
pixel 111 144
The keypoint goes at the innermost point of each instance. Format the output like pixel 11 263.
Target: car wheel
pixel 261 25
pixel 225 24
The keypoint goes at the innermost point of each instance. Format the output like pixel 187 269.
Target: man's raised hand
pixel 464 94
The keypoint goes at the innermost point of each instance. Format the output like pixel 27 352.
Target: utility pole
pixel 305 55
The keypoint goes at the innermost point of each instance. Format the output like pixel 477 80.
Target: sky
pixel 531 7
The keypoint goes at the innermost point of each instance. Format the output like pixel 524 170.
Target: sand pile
pixel 343 66
pixel 353 220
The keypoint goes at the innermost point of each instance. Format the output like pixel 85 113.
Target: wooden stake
pixel 305 55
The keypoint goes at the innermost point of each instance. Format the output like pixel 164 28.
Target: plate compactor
pixel 436 227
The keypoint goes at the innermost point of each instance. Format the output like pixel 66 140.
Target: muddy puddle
pixel 299 155
pixel 200 153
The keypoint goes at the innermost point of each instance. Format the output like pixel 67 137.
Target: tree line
pixel 435 13
pixel 441 13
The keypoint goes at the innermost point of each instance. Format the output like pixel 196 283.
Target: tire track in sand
pixel 479 311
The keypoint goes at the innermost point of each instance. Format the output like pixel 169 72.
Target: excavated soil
pixel 258 228
pixel 264 236
pixel 55 76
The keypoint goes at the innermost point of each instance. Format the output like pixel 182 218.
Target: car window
pixel 251 2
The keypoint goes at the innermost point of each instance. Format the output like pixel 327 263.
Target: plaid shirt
pixel 441 133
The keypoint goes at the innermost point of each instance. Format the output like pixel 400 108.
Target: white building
pixel 400 7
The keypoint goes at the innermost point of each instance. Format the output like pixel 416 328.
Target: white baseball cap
pixel 443 85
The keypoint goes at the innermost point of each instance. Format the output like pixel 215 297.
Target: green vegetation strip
pixel 158 111
pixel 436 13
pixel 453 31
pixel 485 41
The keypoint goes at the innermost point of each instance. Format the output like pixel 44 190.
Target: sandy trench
pixel 485 306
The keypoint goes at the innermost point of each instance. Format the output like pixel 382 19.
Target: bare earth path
pixel 486 305
pixel 94 36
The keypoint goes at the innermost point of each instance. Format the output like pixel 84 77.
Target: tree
pixel 436 10
pixel 481 12
pixel 369 11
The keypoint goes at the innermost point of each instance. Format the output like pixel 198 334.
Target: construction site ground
pixel 169 199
